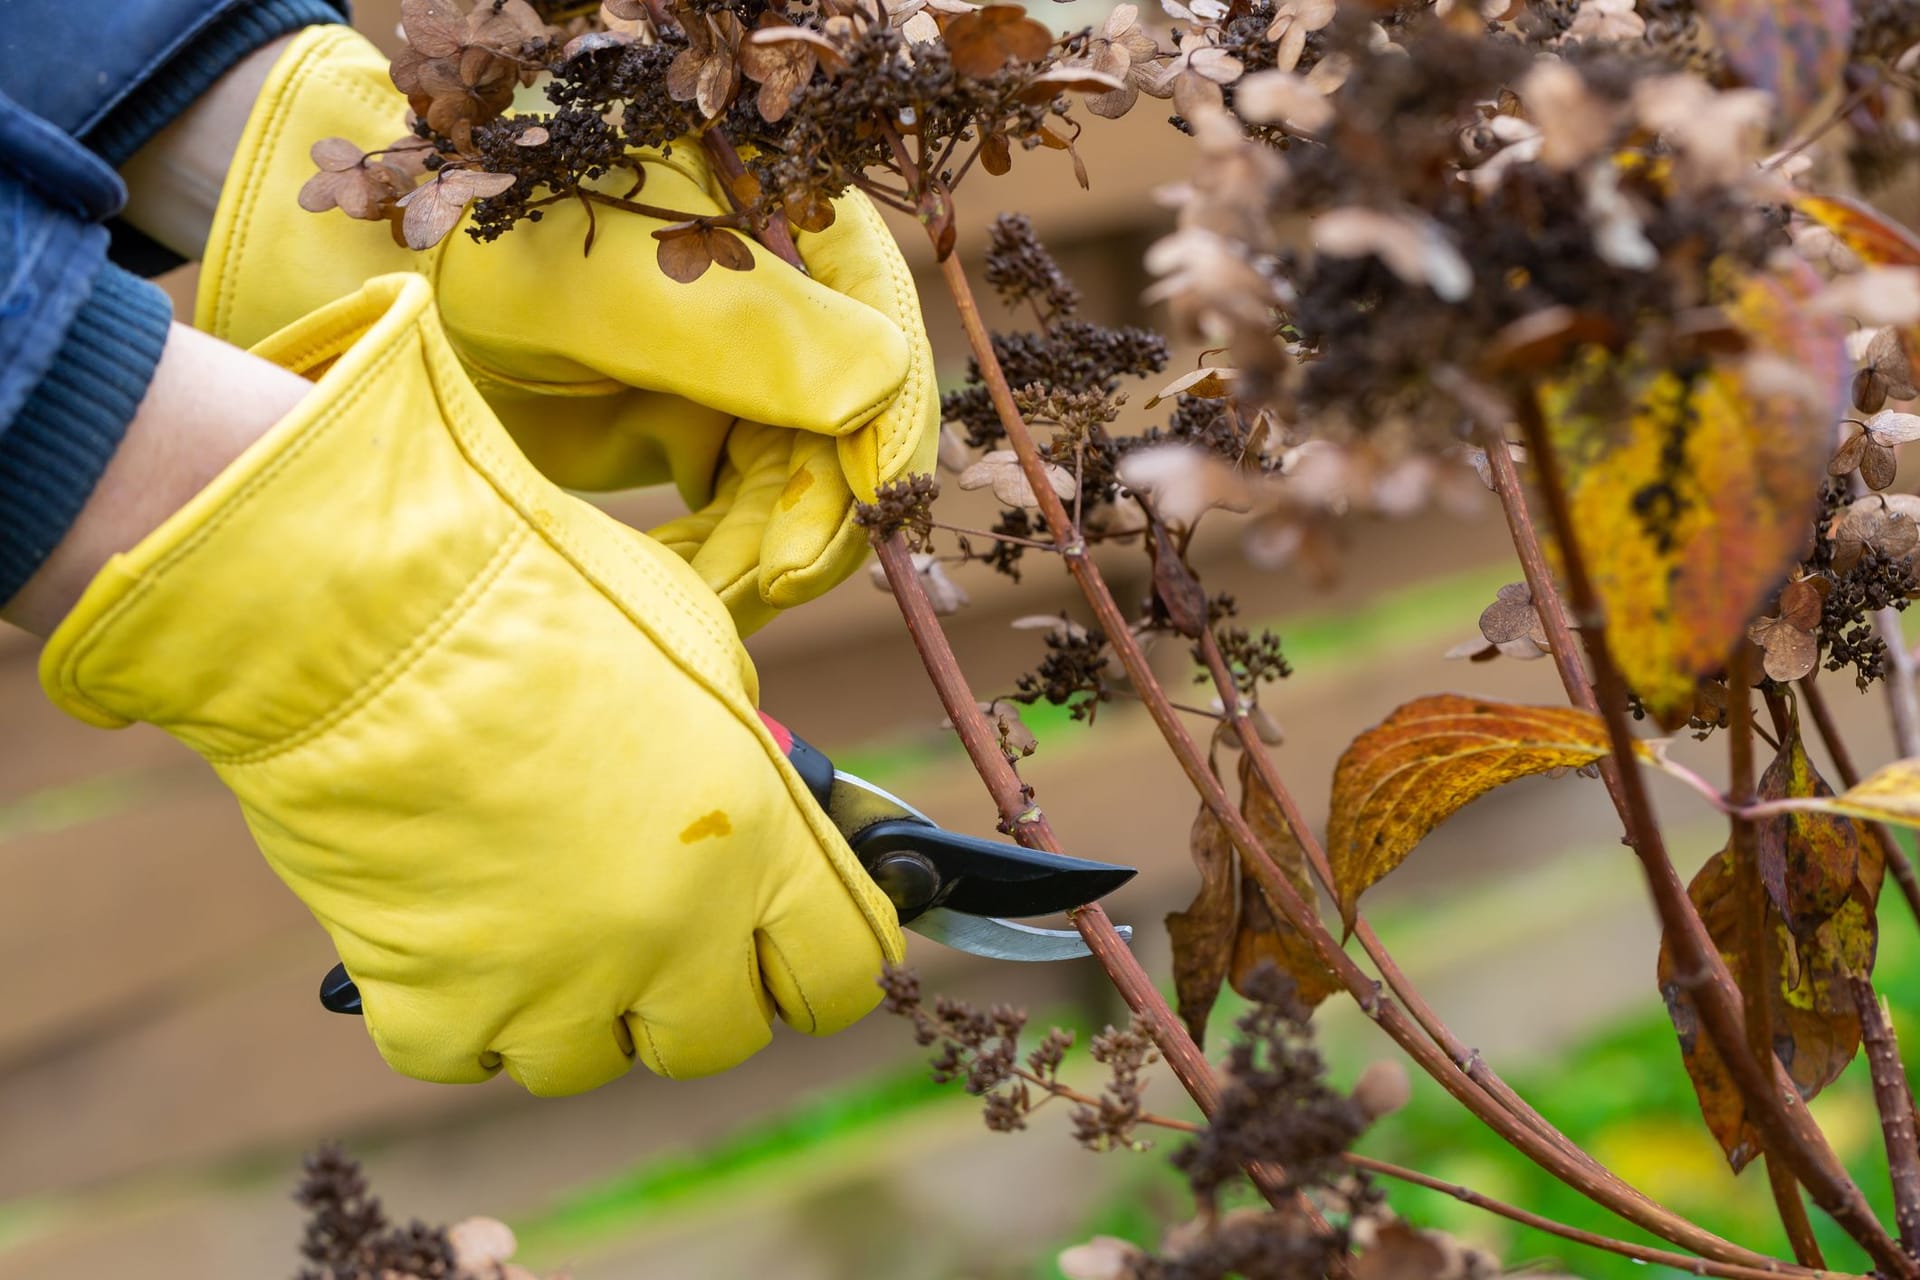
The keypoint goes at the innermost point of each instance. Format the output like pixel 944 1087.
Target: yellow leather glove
pixel 502 746
pixel 608 373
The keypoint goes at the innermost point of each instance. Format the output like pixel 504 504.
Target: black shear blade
pixel 988 878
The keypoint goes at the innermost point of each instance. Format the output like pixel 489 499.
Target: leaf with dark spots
pixel 1405 776
pixel 1808 861
pixel 1816 1028
pixel 1690 487
pixel 1263 936
pixel 1202 935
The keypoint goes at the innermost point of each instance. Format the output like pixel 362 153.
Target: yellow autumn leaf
pixel 1407 775
pixel 1691 486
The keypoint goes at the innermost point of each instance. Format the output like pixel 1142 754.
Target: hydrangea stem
pixel 1772 1103
pixel 1023 820
pixel 1280 892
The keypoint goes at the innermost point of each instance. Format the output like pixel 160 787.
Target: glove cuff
pixel 312 570
pixel 268 261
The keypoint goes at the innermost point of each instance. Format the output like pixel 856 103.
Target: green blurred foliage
pixel 1622 1095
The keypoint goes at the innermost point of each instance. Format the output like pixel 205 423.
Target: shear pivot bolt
pixel 908 880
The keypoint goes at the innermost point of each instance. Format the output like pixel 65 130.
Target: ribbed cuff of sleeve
pixel 192 71
pixel 53 452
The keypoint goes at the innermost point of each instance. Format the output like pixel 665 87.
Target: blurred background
pixel 164 1062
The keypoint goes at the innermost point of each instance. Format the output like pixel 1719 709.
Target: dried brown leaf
pixel 1263 936
pixel 1203 934
pixel 1808 861
pixel 1208 382
pixel 1816 1029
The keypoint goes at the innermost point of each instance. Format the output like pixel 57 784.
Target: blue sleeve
pixel 86 82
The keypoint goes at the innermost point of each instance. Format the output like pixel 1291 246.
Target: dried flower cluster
pixel 796 103
pixel 982 1049
pixel 348 1237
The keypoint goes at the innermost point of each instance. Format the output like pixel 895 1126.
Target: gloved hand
pixel 502 746
pixel 608 373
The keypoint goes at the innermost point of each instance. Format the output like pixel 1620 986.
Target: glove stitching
pixel 269 471
pixel 659 1062
pixel 236 238
pixel 313 64
pixel 773 945
pixel 455 396
pixel 907 307
pixel 400 664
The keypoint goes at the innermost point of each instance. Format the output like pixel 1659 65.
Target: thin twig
pixel 1023 820
pixel 1468 1060
pixel 1772 1103
pixel 1898 676
pixel 1895 1103
pixel 1278 889
pixel 1896 857
pixel 991 536
pixel 772 232
pixel 1756 981
pixel 1627 1249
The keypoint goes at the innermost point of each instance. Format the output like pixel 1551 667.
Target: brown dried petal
pixel 1054 81
pixel 1208 382
pixel 480 1243
pixel 1877 464
pixel 1884 522
pixel 1802 600
pixel 1412 247
pixel 434 208
pixel 729 250
pixel 683 254
pixel 1846 459
pixel 1001 471
pixel 1512 616
pixel 505 25
pixel 996 155
pixel 1195 95
pixel 1890 427
pixel 336 155
pixel 1790 652
pixel 985 40
pixel 1185 482
pixel 1280 97
pixel 1887 356
pixel 434 28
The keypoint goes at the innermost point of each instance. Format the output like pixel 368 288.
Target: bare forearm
pixel 208 401
pixel 173 182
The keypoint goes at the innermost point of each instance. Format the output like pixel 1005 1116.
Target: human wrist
pixel 206 402
pixel 174 178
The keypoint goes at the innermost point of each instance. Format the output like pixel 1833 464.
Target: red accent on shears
pixel 781 734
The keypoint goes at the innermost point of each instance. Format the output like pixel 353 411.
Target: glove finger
pixel 554 1060
pixel 820 979
pixel 722 540
pixel 416 1041
pixel 700 1027
pixel 770 344
pixel 857 256
pixel 811 543
pixel 685 535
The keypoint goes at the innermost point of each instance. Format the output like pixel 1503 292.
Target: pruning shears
pixel 956 889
